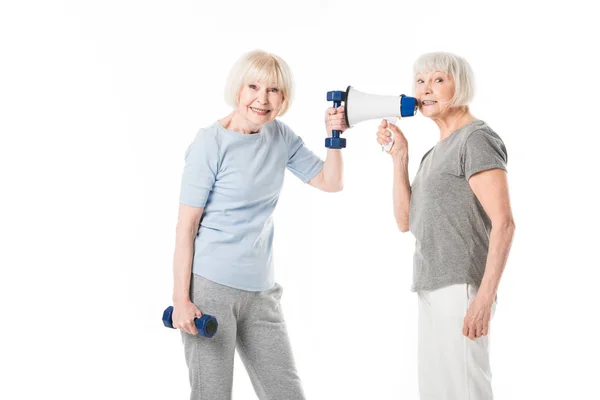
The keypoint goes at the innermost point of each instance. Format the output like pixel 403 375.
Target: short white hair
pixel 457 67
pixel 258 65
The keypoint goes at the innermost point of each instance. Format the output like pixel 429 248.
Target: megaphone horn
pixel 361 106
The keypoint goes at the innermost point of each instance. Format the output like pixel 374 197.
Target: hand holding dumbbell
pixel 207 324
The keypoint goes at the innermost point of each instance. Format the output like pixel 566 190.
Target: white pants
pixel 451 366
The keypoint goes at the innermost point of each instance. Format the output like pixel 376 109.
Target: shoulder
pixel 483 142
pixel 282 130
pixel 426 154
pixel 206 142
pixel 280 127
pixel 480 135
pixel 208 134
pixel 480 130
pixel 209 137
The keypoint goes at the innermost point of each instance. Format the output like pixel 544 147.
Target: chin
pixel 430 113
pixel 258 120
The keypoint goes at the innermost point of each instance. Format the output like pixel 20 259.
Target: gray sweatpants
pixel 253 323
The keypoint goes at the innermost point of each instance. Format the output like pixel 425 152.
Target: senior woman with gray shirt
pixel 223 263
pixel 458 209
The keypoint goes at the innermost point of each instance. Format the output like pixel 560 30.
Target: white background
pixel 99 100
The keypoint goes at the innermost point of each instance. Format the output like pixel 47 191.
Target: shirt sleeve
pixel 302 162
pixel 200 170
pixel 483 150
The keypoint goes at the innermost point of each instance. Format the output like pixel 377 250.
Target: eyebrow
pixel 270 86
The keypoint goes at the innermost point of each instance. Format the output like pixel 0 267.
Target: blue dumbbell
pixel 335 141
pixel 207 324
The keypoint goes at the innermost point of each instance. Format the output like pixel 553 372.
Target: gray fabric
pixel 450 226
pixel 253 323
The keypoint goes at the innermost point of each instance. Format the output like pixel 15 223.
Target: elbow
pixel 336 187
pixel 403 226
pixel 512 227
pixel 509 224
pixel 505 225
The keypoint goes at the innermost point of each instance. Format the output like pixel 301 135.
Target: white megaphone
pixel 361 106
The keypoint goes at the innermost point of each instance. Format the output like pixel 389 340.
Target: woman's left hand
pixel 335 120
pixel 477 320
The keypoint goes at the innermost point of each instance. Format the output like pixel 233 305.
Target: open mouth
pixel 260 111
pixel 428 102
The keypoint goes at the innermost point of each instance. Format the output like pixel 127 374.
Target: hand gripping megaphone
pixel 361 106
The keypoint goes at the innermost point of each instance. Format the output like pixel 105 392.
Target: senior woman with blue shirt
pixel 223 263
pixel 458 209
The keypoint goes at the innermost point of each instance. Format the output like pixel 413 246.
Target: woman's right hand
pixel 183 317
pixel 400 146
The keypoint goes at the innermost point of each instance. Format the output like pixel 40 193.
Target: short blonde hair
pixel 453 65
pixel 259 65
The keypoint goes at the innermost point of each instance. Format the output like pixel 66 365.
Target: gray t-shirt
pixel 451 228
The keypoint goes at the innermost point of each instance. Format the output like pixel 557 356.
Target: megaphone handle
pixel 388 146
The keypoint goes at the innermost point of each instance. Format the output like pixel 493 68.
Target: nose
pixel 425 88
pixel 262 97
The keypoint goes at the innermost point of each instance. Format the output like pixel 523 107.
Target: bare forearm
pixel 401 192
pixel 182 263
pixel 500 242
pixel 333 170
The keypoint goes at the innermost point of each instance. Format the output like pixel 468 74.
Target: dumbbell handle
pixel 335 141
pixel 336 133
pixel 207 324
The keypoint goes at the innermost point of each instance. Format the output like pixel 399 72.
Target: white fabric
pixel 451 366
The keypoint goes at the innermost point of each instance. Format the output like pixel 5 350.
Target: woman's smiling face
pixel 259 103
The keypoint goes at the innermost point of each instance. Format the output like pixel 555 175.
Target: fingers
pixel 186 320
pixel 384 137
pixel 187 327
pixel 336 117
pixel 472 331
pixel 469 327
pixel 335 113
pixel 475 329
pixel 192 329
pixel 336 125
pixel 395 129
pixel 485 323
pixel 191 324
pixel 335 120
pixel 480 331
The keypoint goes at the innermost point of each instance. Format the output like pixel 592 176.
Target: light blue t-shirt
pixel 237 178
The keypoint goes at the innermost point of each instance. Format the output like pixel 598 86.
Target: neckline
pixel 239 135
pixel 459 129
